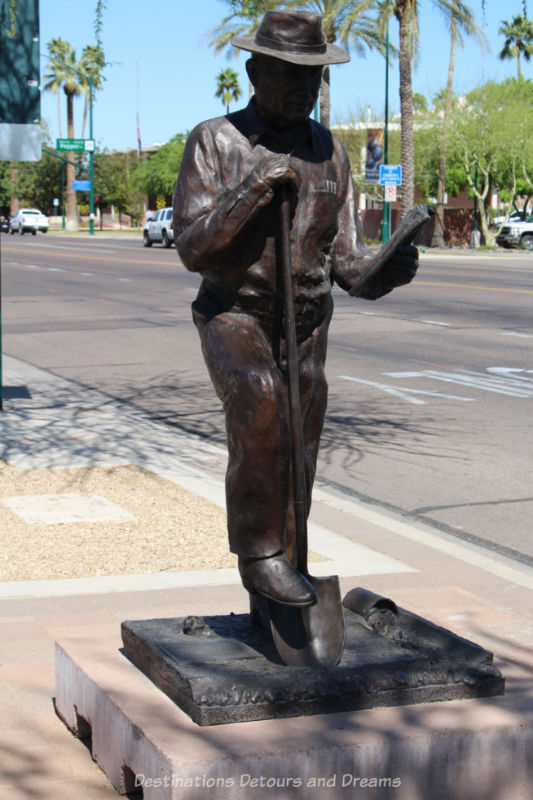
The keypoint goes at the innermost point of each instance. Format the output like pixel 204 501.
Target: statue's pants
pixel 237 349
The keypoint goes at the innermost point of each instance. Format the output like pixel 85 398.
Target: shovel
pixel 312 636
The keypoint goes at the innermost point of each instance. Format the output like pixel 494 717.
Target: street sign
pixel 81 186
pixel 390 174
pixel 75 145
pixel 390 193
pixel 56 201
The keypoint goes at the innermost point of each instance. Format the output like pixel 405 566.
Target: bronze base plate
pixel 223 669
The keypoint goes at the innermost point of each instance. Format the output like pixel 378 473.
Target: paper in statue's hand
pixel 403 235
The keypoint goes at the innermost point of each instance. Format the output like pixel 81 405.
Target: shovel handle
pixel 296 425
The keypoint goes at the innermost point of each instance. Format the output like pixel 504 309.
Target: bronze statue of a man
pixel 226 226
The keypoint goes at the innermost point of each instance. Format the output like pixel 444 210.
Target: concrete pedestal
pixel 477 749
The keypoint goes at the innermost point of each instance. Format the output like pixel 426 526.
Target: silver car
pixel 28 219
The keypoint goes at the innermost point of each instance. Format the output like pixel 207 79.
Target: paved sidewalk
pixel 474 592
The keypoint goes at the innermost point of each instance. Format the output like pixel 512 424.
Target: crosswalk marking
pixel 510 381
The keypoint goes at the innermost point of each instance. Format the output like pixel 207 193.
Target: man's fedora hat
pixel 292 36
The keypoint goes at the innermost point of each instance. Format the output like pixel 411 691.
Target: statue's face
pixel 285 93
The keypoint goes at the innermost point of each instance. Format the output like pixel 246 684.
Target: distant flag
pixel 138 135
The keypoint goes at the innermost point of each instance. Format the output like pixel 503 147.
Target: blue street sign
pixel 81 186
pixel 390 175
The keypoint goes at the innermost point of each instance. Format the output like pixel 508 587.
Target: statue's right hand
pixel 278 169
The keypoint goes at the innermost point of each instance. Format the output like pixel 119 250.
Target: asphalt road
pixel 430 388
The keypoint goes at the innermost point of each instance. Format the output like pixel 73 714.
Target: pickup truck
pixel 517 233
pixel 28 219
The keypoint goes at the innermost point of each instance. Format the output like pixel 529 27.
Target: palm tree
pixel 92 62
pixel 228 88
pixel 56 48
pixel 518 40
pixel 63 72
pixel 467 26
pixel 406 13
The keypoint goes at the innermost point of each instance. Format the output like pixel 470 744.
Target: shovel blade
pixel 312 636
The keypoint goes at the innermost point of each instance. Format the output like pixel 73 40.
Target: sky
pixel 161 68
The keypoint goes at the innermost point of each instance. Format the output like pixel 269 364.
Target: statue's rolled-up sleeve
pixel 209 215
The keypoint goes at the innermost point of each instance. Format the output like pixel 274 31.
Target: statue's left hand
pixel 399 269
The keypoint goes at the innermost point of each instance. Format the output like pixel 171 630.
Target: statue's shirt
pixel 226 219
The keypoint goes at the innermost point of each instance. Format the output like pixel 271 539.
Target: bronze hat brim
pixel 333 54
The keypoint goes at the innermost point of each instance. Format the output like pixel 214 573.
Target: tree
pixel 490 134
pixel 514 176
pixel 157 175
pixel 63 72
pixel 467 26
pixel 113 182
pixel 406 13
pixel 518 40
pixel 228 88
pixel 57 48
pixel 420 105
pixel 92 63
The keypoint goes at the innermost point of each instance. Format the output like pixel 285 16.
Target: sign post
pixel 390 176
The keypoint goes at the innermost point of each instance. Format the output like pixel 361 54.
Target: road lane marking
pixel 404 392
pixel 345 347
pixel 506 385
pixel 433 322
pixel 511 371
pixel 67 247
pixel 92 257
pixel 433 364
pixel 516 333
pixel 472 286
pixel 499 380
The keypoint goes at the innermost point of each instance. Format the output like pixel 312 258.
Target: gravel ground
pixel 173 529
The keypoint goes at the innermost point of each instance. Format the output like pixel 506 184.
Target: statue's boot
pixel 276 578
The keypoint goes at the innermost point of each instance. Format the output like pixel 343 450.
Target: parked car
pixel 514 216
pixel 519 233
pixel 29 219
pixel 4 224
pixel 159 229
